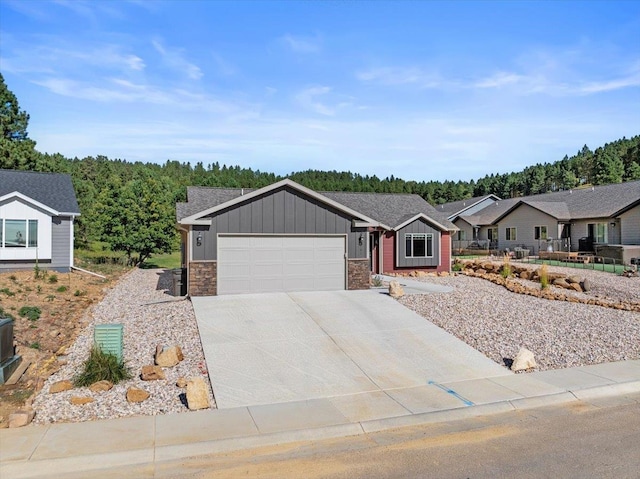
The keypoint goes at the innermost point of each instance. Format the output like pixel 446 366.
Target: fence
pixel 596 263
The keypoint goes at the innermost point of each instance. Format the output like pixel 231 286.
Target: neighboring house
pixel 464 208
pixel 37 211
pixel 571 220
pixel 286 237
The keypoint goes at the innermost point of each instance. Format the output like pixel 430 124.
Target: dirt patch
pixel 49 312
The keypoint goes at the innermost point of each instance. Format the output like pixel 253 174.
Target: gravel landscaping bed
pixel 561 334
pixel 150 317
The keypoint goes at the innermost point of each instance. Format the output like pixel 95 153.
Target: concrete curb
pixel 29 469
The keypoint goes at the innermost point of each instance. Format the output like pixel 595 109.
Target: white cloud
pixel 307 98
pixel 400 76
pixel 174 58
pixel 300 44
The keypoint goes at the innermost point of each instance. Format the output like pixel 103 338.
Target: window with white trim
pixel 510 234
pixel 462 235
pixel 418 245
pixel 540 232
pixel 599 232
pixel 18 233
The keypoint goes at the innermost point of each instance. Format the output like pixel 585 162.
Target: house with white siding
pixel 37 211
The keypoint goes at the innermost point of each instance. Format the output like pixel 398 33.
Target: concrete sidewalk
pixel 57 449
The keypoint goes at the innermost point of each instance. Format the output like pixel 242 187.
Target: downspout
pixel 187 252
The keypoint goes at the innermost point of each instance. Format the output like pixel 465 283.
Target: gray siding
pixel 282 211
pixel 480 206
pixel 580 229
pixel 60 242
pixel 524 219
pixel 464 226
pixel 630 226
pixel 418 226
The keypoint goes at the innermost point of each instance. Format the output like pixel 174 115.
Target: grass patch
pixel 163 261
pixel 31 312
pixel 101 366
pixel 606 267
pixel 61 289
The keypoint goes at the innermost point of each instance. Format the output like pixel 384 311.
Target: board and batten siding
pixel 630 226
pixel 282 211
pixel 61 250
pixel 525 218
pixel 418 226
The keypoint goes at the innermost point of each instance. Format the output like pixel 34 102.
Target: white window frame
pixel 26 237
pixel 462 235
pixel 428 240
pixel 492 233
pixel 540 232
pixel 511 237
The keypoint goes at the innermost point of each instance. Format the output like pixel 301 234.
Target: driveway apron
pixel 282 347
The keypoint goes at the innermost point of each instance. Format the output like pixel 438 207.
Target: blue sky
pixel 418 90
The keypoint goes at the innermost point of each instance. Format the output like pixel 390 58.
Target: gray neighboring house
pixel 286 237
pixel 580 219
pixel 37 211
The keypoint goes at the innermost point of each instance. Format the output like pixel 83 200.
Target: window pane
pixel 408 246
pixel 33 233
pixel 15 233
pixel 419 247
pixel 1 228
pixel 429 245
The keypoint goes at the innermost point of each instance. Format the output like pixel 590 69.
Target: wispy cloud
pixel 308 99
pixel 302 44
pixel 174 58
pixel 400 76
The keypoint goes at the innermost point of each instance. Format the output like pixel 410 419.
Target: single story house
pixel 569 220
pixel 464 208
pixel 286 237
pixel 37 211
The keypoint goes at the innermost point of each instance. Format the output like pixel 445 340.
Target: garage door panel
pixel 280 263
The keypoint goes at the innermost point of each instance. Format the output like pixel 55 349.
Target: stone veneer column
pixel 203 278
pixel 358 274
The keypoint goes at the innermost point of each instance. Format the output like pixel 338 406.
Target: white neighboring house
pixel 37 211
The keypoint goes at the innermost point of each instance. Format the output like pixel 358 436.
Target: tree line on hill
pixel 131 205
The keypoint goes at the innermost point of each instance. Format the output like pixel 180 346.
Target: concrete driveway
pixel 282 347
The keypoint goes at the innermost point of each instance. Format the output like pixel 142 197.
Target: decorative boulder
pixel 395 290
pixel 524 360
pixel 60 386
pixel 181 382
pixel 136 394
pixel 168 357
pixel 21 417
pixel 197 394
pixel 585 284
pixel 152 373
pixel 101 386
pixel 81 400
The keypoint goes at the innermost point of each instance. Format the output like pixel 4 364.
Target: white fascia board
pixel 31 201
pixel 426 218
pixel 195 219
pixel 368 224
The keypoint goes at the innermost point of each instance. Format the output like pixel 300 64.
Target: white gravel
pixel 140 301
pixel 561 334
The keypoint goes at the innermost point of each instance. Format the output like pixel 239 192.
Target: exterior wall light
pixel 199 239
pixel 360 239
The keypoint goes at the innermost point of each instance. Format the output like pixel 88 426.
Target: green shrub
pixel 53 278
pixel 100 366
pixel 61 289
pixel 544 277
pixel 35 345
pixel 79 293
pixel 7 291
pixel 456 266
pixel 31 312
pixel 506 266
pixel 377 281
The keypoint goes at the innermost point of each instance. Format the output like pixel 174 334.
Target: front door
pixel 374 244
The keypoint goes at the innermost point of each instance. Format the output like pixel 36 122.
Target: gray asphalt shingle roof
pixel 457 206
pixel 54 190
pixel 603 201
pixel 387 208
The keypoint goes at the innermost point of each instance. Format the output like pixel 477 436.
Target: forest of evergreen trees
pixel 118 197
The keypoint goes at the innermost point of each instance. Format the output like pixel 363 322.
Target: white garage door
pixel 265 264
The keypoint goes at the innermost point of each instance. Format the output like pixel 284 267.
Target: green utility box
pixel 109 338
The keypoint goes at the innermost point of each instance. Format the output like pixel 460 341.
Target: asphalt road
pixel 578 440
